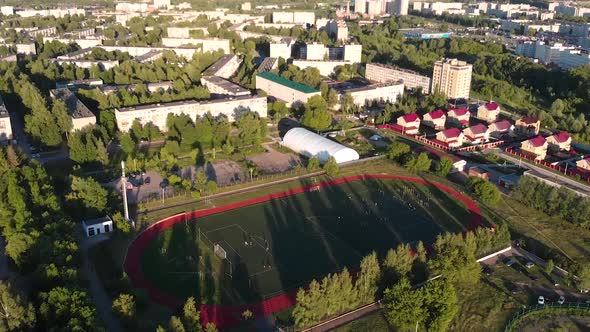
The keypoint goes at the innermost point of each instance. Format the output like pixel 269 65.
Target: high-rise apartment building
pixel 452 77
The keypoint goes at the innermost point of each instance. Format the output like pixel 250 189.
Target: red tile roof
pixel 459 111
pixel 561 137
pixel 437 114
pixel 492 106
pixel 529 120
pixel 452 133
pixel 478 129
pixel 537 141
pixel 412 117
pixel 503 125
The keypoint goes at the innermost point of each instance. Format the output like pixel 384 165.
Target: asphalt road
pixel 541 172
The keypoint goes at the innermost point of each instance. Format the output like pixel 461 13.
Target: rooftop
pixel 561 137
pixel 224 60
pixel 76 108
pixel 3 110
pixel 397 68
pixel 97 221
pixel 452 133
pixel 147 56
pixel 478 129
pixel 412 117
pixel 537 141
pixel 267 64
pixel 503 125
pixel 460 111
pixel 283 81
pixel 437 114
pixel 225 84
pixel 186 103
pixel 492 106
pixel 529 120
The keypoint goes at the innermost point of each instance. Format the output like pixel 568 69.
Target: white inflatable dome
pixel 310 145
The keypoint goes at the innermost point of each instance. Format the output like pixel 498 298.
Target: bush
pixel 486 191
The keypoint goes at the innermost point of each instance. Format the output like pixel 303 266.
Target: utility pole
pixel 124 190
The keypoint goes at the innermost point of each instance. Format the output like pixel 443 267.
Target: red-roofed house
pixel 501 128
pixel 536 146
pixel 459 116
pixel 453 137
pixel 410 123
pixel 560 141
pixel 528 125
pixel 435 119
pixel 489 112
pixel 477 134
pixel 584 164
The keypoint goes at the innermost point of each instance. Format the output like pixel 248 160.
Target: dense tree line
pixel 434 306
pixel 40 241
pixel 553 201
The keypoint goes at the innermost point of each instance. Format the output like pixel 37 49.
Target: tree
pixel 444 167
pixel 12 156
pixel 418 164
pixel 584 274
pixel 176 325
pixel 190 315
pixel 121 224
pixel 67 309
pixel 331 167
pixel 247 314
pixel 88 193
pixel 440 304
pixel 347 104
pixel 368 279
pixel 200 180
pixel 102 156
pixel 485 190
pixel 313 164
pixel 397 150
pixel 127 144
pixel 124 306
pixel 549 265
pixel 252 128
pixel 63 119
pixel 403 306
pixel 15 313
pixel 398 263
pixel 316 115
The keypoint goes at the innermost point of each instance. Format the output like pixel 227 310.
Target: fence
pixel 562 170
pixel 443 146
pixel 548 307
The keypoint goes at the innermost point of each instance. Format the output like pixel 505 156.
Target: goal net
pixel 219 251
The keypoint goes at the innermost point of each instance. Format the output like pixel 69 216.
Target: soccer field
pixel 284 243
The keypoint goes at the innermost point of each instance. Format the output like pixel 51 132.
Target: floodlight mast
pixel 124 190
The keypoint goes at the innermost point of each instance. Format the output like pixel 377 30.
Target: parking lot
pixel 523 282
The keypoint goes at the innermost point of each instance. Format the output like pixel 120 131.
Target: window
pixel 90 231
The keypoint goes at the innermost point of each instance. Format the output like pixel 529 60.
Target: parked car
pixel 529 265
pixel 561 300
pixel 541 300
pixel 555 282
pixel 509 262
pixel 515 290
pixel 147 180
pixel 487 271
pixel 533 278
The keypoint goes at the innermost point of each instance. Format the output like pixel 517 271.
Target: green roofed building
pixel 292 93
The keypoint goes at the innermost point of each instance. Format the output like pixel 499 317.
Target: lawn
pixel 283 243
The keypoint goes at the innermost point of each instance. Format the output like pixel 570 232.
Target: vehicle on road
pixel 561 300
pixel 541 300
pixel 529 265
pixel 509 262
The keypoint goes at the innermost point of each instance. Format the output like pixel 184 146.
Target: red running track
pixel 230 315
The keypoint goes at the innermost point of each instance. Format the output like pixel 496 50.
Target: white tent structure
pixel 311 144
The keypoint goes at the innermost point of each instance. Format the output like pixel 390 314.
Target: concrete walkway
pixel 101 299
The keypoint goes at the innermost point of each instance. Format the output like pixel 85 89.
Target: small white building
pixel 97 226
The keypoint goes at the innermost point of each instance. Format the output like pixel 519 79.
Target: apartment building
pixel 219 87
pixel 411 79
pixel 452 77
pixel 158 113
pixel 80 114
pixel 292 93
pixel 225 67
pixel 5 125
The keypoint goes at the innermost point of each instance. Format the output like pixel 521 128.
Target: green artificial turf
pixel 284 243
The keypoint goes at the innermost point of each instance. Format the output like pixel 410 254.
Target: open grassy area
pixel 282 244
pixel 374 322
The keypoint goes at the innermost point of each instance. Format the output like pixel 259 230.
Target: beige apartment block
pixel 158 113
pixel 452 78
